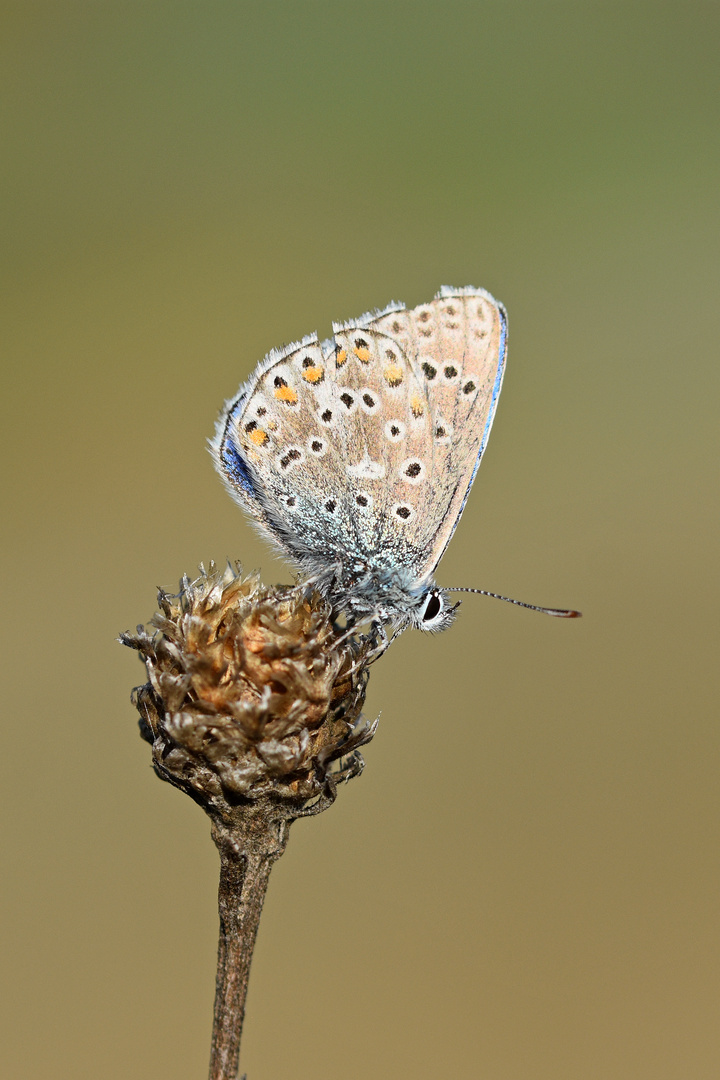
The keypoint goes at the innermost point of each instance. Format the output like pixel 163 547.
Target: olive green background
pixel 525 882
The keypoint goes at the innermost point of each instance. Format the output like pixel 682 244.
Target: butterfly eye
pixel 433 607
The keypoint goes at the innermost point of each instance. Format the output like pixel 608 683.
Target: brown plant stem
pixel 247 853
pixel 253 709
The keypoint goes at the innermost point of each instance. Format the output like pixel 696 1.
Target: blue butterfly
pixel 356 455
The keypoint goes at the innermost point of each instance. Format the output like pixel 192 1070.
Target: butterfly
pixel 356 455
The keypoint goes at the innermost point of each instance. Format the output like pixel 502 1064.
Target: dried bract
pixel 254 694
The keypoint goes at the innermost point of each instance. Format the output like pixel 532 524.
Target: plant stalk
pixel 246 859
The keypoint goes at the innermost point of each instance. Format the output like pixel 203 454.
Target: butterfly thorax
pixel 361 591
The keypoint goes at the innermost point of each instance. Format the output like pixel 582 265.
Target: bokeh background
pixel 525 882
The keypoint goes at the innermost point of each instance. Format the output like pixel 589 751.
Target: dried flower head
pixel 254 695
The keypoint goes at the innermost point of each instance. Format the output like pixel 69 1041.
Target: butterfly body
pixel 356 455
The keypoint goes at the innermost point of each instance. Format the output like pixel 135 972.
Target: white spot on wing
pixel 367 469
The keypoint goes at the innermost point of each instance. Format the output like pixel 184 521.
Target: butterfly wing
pixel 387 446
pixel 364 448
pixel 457 345
pixel 314 444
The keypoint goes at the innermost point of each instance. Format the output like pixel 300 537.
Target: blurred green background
pixel 524 883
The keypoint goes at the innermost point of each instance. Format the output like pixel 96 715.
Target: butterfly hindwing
pixel 457 345
pixel 387 444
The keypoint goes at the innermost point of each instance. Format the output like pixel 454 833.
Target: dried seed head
pixel 253 693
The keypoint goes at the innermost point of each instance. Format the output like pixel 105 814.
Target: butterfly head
pixel 420 607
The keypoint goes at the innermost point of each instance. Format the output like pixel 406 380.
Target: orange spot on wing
pixel 340 357
pixel 363 355
pixel 286 394
pixel 416 406
pixel 313 374
pixel 258 436
pixel 393 375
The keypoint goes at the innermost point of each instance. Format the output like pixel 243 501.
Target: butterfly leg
pixel 378 628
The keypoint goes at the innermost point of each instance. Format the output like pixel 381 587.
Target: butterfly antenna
pixel 560 613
